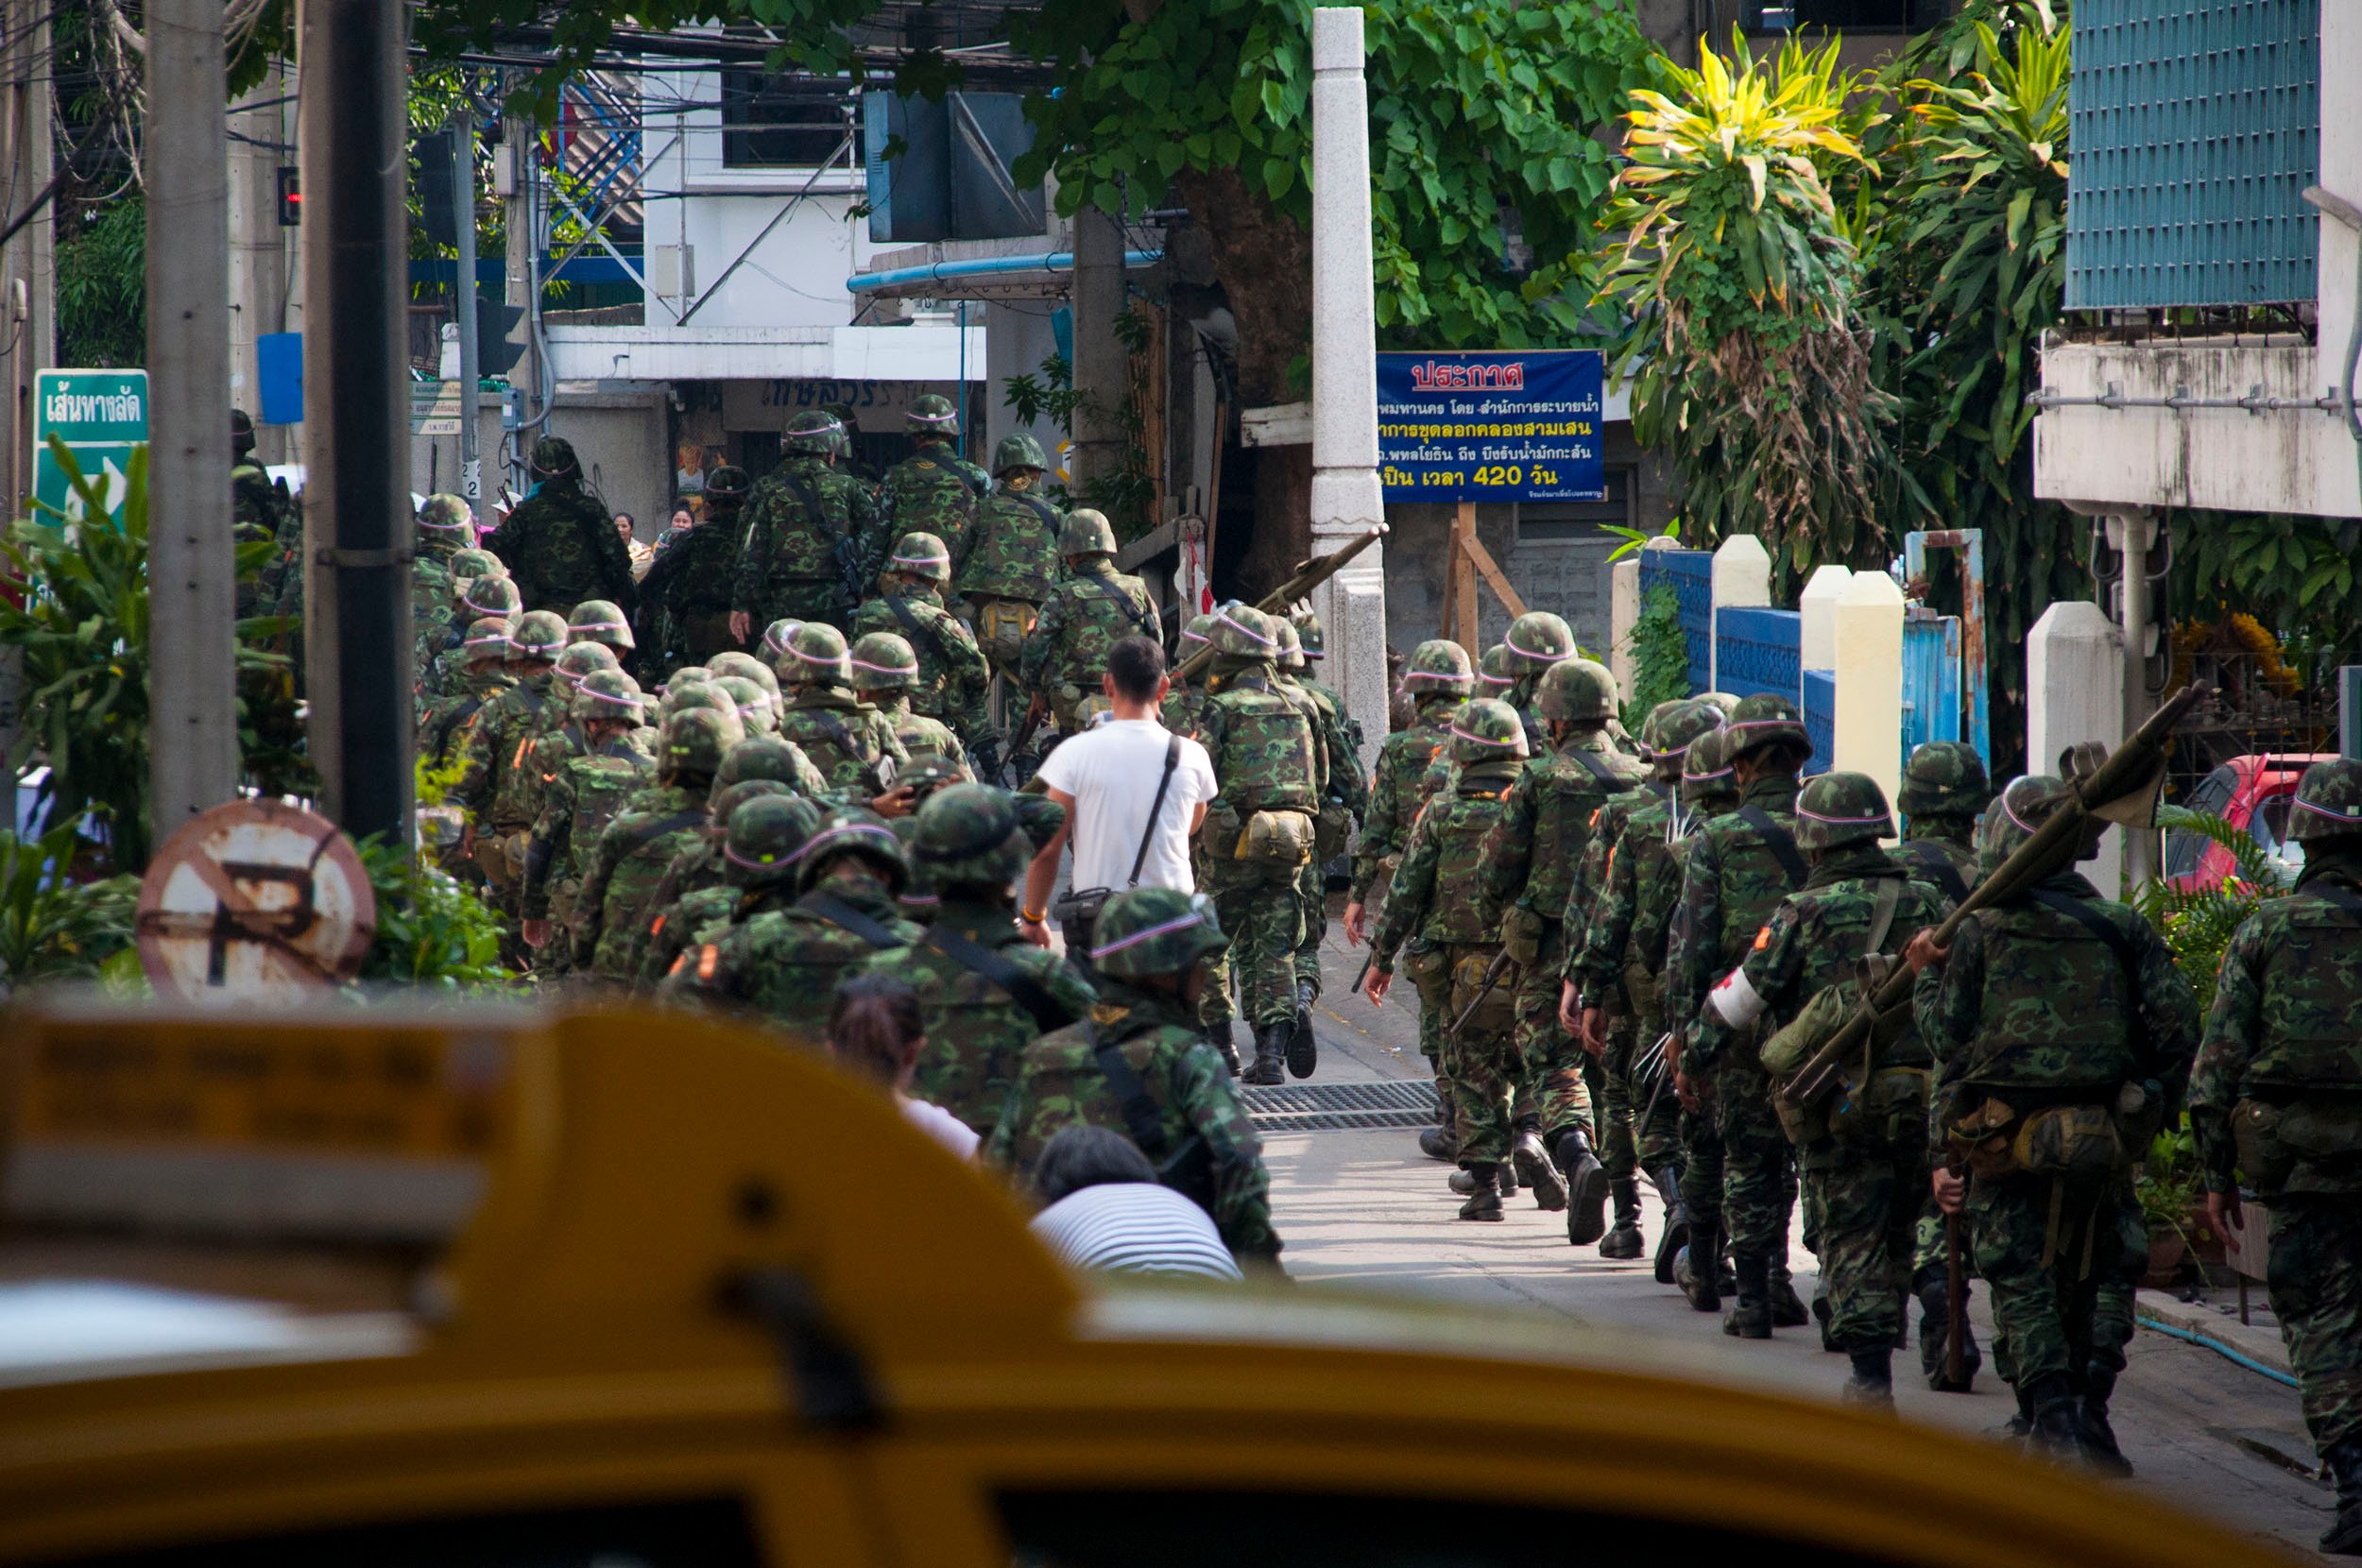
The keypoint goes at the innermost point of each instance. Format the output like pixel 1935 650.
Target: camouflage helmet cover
pixel 1151 931
pixel 2328 801
pixel 1086 532
pixel 1944 778
pixel 757 710
pixel 447 518
pixel 682 694
pixel 600 621
pixel 241 431
pixel 921 555
pixel 853 831
pixel 541 637
pixel 495 595
pixel 2021 808
pixel 476 561
pixel 488 638
pixel 732 663
pixel 970 833
pixel 1706 772
pixel 884 661
pixel 1575 690
pixel 1679 728
pixel 1487 730
pixel 814 434
pixel 932 415
pixel 1309 632
pixel 1020 451
pixel 727 798
pixel 1838 808
pixel 727 482
pixel 608 695
pixel 816 656
pixel 1197 633
pixel 776 636
pixel 695 741
pixel 929 773
pixel 1291 646
pixel 1767 719
pixel 1439 666
pixel 766 838
pixel 1496 669
pixel 1243 632
pixel 554 457
pixel 584 658
pixel 769 756
pixel 1539 637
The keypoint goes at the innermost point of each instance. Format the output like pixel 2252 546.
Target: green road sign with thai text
pixel 100 415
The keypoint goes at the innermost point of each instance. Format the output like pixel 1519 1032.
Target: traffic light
pixel 437 205
pixel 494 354
pixel 290 195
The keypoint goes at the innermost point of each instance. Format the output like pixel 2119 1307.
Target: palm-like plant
pixel 1740 283
pixel 2198 925
pixel 52 928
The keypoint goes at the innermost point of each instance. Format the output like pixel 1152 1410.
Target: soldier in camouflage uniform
pixel 1497 674
pixel 560 543
pixel 1092 607
pixel 445 527
pixel 481 678
pixel 1867 1168
pixel 1138 1065
pixel 758 711
pixel 985 991
pixel 253 513
pixel 685 598
pixel 1008 564
pixel 1256 836
pixel 951 677
pixel 811 536
pixel 583 794
pixel 1536 641
pixel 763 834
pixel 620 878
pixel 1437 902
pixel 884 670
pixel 854 747
pixel 1737 869
pixel 1343 801
pixel 695 890
pixel 602 621
pixel 785 963
pixel 1526 867
pixel 577 663
pixel 1440 680
pixel 1180 710
pixel 2063 1038
pixel 2277 1096
pixel 500 788
pixel 933 490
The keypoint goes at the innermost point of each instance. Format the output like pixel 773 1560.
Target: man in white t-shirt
pixel 1106 778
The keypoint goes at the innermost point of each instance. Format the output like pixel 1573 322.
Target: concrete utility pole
pixel 29 288
pixel 1347 499
pixel 258 246
pixel 462 197
pixel 1100 368
pixel 191 570
pixel 520 153
pixel 357 523
pixel 2134 532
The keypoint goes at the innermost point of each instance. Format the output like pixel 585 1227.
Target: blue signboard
pixel 1495 425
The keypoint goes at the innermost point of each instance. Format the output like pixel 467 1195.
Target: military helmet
pixel 1487 730
pixel 931 772
pixel 1767 719
pixel 486 638
pixel 884 661
pixel 932 414
pixel 241 431
pixel 854 830
pixel 1944 778
pixel 921 555
pixel 757 710
pixel 1291 645
pixel 816 656
pixel 585 658
pixel 970 833
pixel 814 434
pixel 1309 633
pixel 1020 451
pixel 553 458
pixel 2020 809
pixel 727 798
pixel 766 838
pixel 476 561
pixel 1679 722
pixel 541 636
pixel 681 696
pixel 495 595
pixel 732 663
pixel 775 638
pixel 446 516
pixel 1497 670
pixel 1538 636
pixel 2328 801
pixel 608 694
pixel 687 675
pixel 1838 808
pixel 728 483
pixel 1242 631
pixel 1439 666
pixel 600 621
pixel 695 741
pixel 1086 532
pixel 1197 633
pixel 1575 690
pixel 709 694
pixel 1155 930
pixel 1723 702
pixel 770 757
pixel 1706 772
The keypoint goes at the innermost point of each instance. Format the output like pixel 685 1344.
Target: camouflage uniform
pixel 1345 800
pixel 1868 1173
pixel 255 516
pixel 685 599
pixel 1137 1064
pixel 985 991
pixel 1008 564
pixel 952 676
pixel 695 890
pixel 1266 770
pixel 854 747
pixel 1535 641
pixel 810 533
pixel 1437 902
pixel 473 689
pixel 884 668
pixel 486 596
pixel 1093 608
pixel 934 489
pixel 755 863
pixel 2035 1012
pixel 785 963
pixel 445 527
pixel 560 543
pixel 583 794
pixel 500 788
pixel 2282 1065
pixel 621 877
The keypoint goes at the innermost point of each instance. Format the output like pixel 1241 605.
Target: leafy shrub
pixel 51 926
pixel 1660 657
pixel 431 931
pixel 2198 925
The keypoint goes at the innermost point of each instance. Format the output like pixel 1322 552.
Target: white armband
pixel 1735 1000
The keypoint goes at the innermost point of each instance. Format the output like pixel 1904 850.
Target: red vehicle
pixel 2254 792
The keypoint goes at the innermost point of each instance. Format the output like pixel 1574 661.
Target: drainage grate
pixel 1340 1107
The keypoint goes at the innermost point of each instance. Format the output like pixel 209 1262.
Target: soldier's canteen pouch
pixel 1276 840
pixel 1978 1135
pixel 1499 1013
pixel 1330 830
pixel 1001 627
pixel 1429 968
pixel 2265 1160
pixel 1521 934
pixel 1890 1109
pixel 2323 1127
pixel 2068 1140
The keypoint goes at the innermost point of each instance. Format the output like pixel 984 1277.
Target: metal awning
pixel 1036 275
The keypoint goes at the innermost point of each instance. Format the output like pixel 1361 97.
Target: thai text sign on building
pixel 1496 425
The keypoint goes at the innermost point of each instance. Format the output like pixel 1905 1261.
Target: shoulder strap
pixel 836 911
pixel 2104 928
pixel 1145 620
pixel 1047 1011
pixel 645 833
pixel 1042 510
pixel 920 631
pixel 805 494
pixel 1940 869
pixel 1141 1115
pixel 1882 915
pixel 1780 841
pixel 837 732
pixel 1155 809
pixel 1600 771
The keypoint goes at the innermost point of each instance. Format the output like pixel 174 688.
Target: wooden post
pixel 1460 595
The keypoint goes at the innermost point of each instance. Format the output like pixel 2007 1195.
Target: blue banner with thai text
pixel 1492 425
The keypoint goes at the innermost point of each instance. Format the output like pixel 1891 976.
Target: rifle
pixel 1492 977
pixel 2121 789
pixel 1955 1375
pixel 1035 711
pixel 1309 576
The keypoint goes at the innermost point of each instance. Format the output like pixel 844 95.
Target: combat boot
pixel 1304 1049
pixel 2021 1426
pixel 1270 1044
pixel 1484 1201
pixel 2344 1536
pixel 1827 1320
pixel 1532 1161
pixel 1439 1142
pixel 2056 1434
pixel 1587 1187
pixel 1218 1037
pixel 1623 1240
pixel 1750 1316
pixel 1935 1324
pixel 1461 1181
pixel 1676 1237
pixel 1873 1382
pixel 2099 1439
pixel 1697 1269
pixel 1787 1308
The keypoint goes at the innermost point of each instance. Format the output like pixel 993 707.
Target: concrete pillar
pixel 28 268
pixel 258 245
pixel 1817 608
pixel 2133 532
pixel 1742 577
pixel 1867 655
pixel 2074 692
pixel 1100 368
pixel 1345 499
pixel 1623 613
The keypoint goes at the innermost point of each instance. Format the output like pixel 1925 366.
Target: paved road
pixel 1363 1210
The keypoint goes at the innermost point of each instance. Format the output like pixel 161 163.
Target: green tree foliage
pixel 102 288
pixel 52 926
pixel 2198 924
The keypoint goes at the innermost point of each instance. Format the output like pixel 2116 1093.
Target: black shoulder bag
pixel 1077 913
